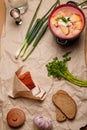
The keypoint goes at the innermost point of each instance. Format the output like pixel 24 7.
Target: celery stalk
pixel 58 69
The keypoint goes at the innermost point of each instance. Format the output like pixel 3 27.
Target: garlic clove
pixel 39 121
pixel 48 125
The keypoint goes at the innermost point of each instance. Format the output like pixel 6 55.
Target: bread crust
pixel 60 117
pixel 65 103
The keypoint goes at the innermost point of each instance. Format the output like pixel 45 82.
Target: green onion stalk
pixel 34 29
pixel 28 31
pixel 33 34
pixel 41 33
pixel 58 69
pixel 79 4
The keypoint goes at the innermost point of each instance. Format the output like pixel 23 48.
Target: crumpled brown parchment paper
pixel 46 50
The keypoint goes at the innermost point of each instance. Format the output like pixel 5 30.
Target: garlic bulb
pixel 42 123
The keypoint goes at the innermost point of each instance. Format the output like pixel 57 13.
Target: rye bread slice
pixel 60 117
pixel 65 103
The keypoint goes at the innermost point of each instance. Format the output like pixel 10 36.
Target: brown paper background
pixel 44 52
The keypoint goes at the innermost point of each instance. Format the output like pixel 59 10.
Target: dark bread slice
pixel 65 103
pixel 60 116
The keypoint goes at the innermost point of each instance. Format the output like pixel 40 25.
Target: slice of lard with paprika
pixel 36 91
pixel 42 94
pixel 26 78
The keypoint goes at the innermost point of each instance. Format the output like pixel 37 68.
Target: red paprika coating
pixel 27 80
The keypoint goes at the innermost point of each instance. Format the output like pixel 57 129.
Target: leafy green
pixel 58 69
pixel 64 19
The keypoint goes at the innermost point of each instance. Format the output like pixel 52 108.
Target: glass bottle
pixel 22 5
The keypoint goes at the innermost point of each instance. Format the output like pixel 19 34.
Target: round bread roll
pixel 15 117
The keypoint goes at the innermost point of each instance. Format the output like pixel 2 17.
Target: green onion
pixel 57 3
pixel 79 4
pixel 64 19
pixel 33 31
pixel 32 21
pixel 41 33
pixel 31 35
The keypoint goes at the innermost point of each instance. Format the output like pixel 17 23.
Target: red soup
pixel 66 21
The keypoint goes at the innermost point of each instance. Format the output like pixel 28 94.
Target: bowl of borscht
pixel 66 23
